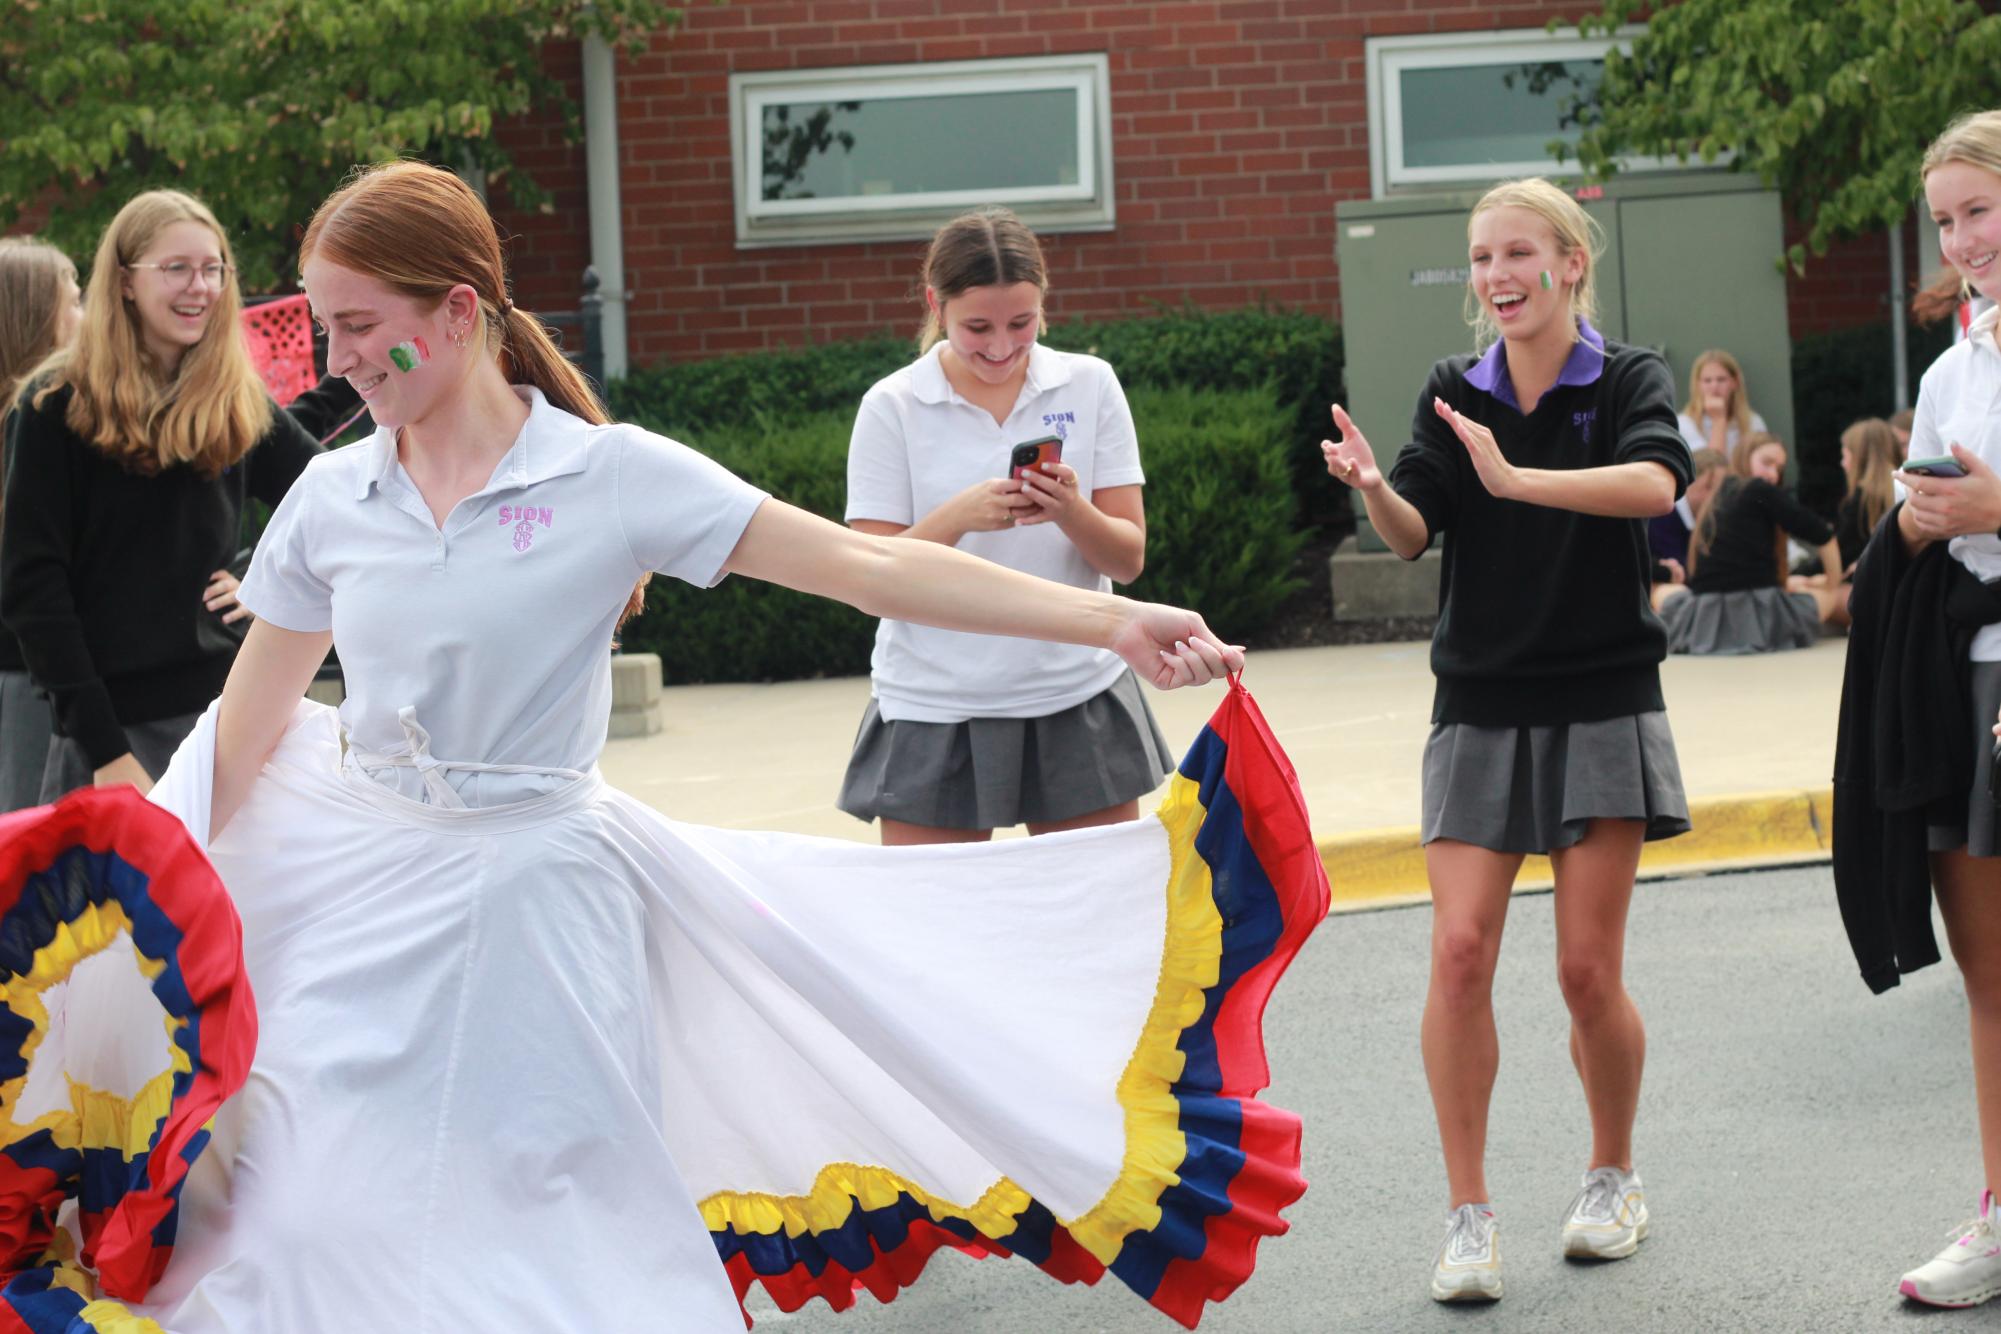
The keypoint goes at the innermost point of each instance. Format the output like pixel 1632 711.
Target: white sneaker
pixel 1608 1219
pixel 1469 1263
pixel 1967 1272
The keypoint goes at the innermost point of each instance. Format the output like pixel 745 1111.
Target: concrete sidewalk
pixel 1756 738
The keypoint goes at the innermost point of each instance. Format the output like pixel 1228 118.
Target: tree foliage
pixel 260 107
pixel 1830 101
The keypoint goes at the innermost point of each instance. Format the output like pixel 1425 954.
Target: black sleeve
pixel 37 599
pixel 325 407
pixel 1789 514
pixel 276 460
pixel 1645 429
pixel 1426 471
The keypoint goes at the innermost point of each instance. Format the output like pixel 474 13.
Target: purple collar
pixel 1582 366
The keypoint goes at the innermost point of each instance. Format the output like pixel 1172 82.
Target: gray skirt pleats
pixel 25 729
pixel 1977 833
pixel 1757 620
pixel 65 767
pixel 991 773
pixel 1534 789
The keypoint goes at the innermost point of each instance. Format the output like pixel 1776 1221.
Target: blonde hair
pixel 31 299
pixel 1738 409
pixel 421 231
pixel 1877 457
pixel 1975 140
pixel 210 412
pixel 988 247
pixel 1574 231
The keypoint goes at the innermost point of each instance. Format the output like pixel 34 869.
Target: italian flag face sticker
pixel 409 354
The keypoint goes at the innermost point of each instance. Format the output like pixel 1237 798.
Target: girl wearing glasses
pixel 131 456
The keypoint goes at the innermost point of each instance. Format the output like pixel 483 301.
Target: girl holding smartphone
pixel 966 733
pixel 1962 186
pixel 1539 462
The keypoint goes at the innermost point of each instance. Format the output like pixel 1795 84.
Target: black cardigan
pixel 102 570
pixel 1904 753
pixel 1542 613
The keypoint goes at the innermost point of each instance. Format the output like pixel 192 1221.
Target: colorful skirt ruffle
pixel 538 1067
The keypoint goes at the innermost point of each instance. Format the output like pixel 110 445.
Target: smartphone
pixel 1030 455
pixel 1945 465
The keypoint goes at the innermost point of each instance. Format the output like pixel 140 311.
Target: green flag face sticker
pixel 409 354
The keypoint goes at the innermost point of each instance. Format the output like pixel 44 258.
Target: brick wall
pixel 1236 126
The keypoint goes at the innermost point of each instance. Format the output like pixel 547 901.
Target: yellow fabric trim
pixel 95 1119
pixel 838 1188
pixel 1155 1147
pixel 1191 961
pixel 109 1317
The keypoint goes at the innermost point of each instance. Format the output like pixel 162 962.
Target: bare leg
pixel 897 834
pixel 1969 898
pixel 1608 1044
pixel 1125 810
pixel 1469 906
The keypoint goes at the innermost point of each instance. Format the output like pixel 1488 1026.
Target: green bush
pixel 1219 530
pixel 1298 355
pixel 1839 378
pixel 1220 536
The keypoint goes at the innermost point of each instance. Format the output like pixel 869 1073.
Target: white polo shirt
pixel 916 444
pixel 494 629
pixel 1959 402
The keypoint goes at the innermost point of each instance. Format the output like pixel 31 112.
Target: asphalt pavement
pixel 1802 1142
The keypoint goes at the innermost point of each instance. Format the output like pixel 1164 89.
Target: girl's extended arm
pixel 937 585
pixel 270 675
pixel 1641 490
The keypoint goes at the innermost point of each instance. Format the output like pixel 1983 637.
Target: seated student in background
pixel 1668 534
pixel 1735 600
pixel 1870 457
pixel 1718 413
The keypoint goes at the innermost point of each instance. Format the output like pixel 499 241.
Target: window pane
pixel 920 145
pixel 1462 115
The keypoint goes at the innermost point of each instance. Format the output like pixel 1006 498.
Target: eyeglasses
pixel 180 273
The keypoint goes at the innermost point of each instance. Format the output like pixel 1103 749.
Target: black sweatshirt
pixel 102 570
pixel 1543 615
pixel 1749 512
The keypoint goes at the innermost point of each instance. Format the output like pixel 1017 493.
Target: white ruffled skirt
pixel 568 1065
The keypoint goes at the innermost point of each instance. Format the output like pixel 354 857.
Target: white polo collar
pixel 1046 370
pixel 1981 332
pixel 552 443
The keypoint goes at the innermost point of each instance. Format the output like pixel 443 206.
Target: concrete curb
pixel 1384 868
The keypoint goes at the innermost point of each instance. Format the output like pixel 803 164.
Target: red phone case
pixel 1049 449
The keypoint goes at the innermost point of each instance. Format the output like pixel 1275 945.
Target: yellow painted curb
pixel 1385 867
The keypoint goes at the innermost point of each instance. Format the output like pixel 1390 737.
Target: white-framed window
pixel 1461 109
pixel 891 151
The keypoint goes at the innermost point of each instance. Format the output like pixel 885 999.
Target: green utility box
pixel 1690 262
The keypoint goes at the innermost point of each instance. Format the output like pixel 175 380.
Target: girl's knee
pixel 1462 964
pixel 1590 984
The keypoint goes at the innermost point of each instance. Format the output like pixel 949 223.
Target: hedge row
pixel 1220 534
pixel 1296 356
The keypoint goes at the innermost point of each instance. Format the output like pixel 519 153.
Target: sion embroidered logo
pixel 525 518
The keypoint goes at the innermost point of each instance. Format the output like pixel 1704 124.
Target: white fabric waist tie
pixel 431 769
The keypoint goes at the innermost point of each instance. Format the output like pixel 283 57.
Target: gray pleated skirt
pixel 1758 620
pixel 65 767
pixel 1976 834
pixel 24 742
pixel 991 773
pixel 1532 789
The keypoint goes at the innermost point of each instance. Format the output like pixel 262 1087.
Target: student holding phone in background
pixel 1951 495
pixel 1001 447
